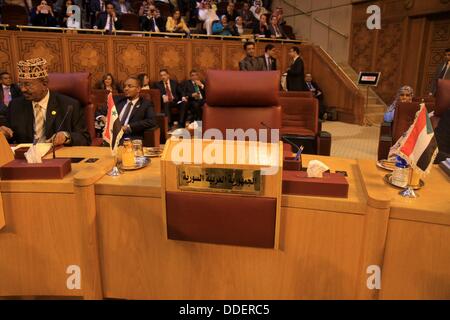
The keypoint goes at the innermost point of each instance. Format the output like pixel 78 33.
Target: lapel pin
pixel 53 112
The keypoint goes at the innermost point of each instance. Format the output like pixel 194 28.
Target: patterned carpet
pixel 352 141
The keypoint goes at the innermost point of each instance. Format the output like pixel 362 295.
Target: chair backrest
pixel 298 94
pixel 164 8
pixel 130 21
pixel 300 112
pixel 78 86
pixel 14 15
pixel 153 95
pixel 442 97
pixel 241 100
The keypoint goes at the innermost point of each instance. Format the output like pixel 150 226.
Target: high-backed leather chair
pixel 298 94
pixel 301 124
pixel 242 100
pixel 78 86
pixel 14 15
pixel 403 118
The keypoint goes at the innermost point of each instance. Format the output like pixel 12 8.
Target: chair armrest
pixel 163 124
pixel 324 143
pixel 384 145
pixel 151 137
pixel 386 129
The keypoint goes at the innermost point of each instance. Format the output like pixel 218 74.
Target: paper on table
pixel 41 148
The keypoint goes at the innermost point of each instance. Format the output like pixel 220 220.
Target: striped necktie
pixel 39 134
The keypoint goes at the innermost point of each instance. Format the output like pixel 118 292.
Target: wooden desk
pixel 416 263
pixel 326 244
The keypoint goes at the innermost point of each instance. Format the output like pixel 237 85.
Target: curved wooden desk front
pixel 326 244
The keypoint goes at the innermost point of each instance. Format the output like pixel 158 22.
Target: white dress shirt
pixel 122 112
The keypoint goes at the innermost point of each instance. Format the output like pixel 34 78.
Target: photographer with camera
pixel 43 16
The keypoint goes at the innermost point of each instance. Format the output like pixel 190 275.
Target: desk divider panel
pixel 231 200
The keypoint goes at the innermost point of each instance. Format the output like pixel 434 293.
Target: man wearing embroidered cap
pixel 42 115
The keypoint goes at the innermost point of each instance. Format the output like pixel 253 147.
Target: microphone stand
pixel 285 139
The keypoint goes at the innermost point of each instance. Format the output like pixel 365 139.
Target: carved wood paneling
pixel 48 47
pixel 172 56
pixel 5 56
pixel 234 53
pixel 439 36
pixel 363 43
pixel 206 56
pixel 88 55
pixel 130 58
pixel 388 56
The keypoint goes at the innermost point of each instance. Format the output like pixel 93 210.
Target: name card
pixel 196 178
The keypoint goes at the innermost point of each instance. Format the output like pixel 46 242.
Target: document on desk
pixel 42 148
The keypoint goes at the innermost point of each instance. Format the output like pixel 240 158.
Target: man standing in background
pixel 295 80
pixel 443 72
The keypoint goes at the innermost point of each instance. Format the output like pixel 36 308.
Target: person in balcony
pixel 222 27
pixel 42 15
pixel 261 28
pixel 247 16
pixel 122 7
pixel 276 30
pixel 176 23
pixel 258 10
pixel 238 28
pixel 154 22
pixel 404 94
pixel 208 15
pixel 109 20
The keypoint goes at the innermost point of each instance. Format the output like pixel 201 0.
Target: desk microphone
pixel 69 109
pixel 283 138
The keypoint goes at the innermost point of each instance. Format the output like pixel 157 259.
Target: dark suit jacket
pixel 177 91
pixel 295 80
pixel 442 134
pixel 251 64
pixel 189 90
pixel 95 6
pixel 265 31
pixel 149 25
pixel 274 62
pixel 142 116
pixel 437 77
pixel 15 93
pixel 103 18
pixel 316 86
pixel 281 30
pixel 20 119
pixel 127 5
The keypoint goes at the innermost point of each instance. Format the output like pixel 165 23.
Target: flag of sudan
pixel 113 128
pixel 419 147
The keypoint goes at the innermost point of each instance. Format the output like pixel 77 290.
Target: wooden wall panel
pixel 131 58
pixel 206 56
pixel 407 49
pixel 171 55
pixel 88 55
pixel 5 55
pixel 43 46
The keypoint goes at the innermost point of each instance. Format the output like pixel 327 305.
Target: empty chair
pixel 14 15
pixel 130 21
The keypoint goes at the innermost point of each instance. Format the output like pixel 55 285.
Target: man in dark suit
pixel 250 62
pixel 442 134
pixel 295 80
pixel 194 91
pixel 317 93
pixel 442 72
pixel 136 114
pixel 42 115
pixel 8 92
pixel 171 96
pixel 95 8
pixel 270 63
pixel 154 21
pixel 109 20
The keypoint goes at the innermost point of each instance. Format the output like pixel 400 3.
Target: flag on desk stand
pixel 418 145
pixel 113 128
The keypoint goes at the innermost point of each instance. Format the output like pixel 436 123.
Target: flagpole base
pixel 408 193
pixel 115 172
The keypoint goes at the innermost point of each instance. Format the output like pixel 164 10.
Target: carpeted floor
pixel 352 141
